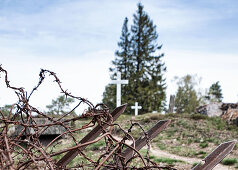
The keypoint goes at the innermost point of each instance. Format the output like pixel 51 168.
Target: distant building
pixel 49 132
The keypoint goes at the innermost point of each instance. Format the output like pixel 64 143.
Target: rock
pixel 236 121
pixel 231 116
pixel 226 106
pixel 228 111
pixel 212 109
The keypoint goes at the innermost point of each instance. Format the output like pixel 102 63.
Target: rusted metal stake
pixel 141 142
pixel 216 156
pixel 89 137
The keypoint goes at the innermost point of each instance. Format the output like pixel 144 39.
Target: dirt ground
pixel 181 166
pixel 189 161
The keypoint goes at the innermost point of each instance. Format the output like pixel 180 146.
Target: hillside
pixel 187 140
pixel 188 135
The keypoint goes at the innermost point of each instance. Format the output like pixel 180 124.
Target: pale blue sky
pixel 77 40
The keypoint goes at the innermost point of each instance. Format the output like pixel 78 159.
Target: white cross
pixel 136 107
pixel 118 82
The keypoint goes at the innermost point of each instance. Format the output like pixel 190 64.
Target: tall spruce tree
pixel 123 64
pixel 123 61
pixel 139 62
pixel 148 72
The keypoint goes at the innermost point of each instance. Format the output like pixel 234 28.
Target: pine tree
pixel 149 86
pixel 123 56
pixel 139 62
pixel 215 93
pixel 122 63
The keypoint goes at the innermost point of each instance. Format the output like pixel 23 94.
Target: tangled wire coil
pixel 25 150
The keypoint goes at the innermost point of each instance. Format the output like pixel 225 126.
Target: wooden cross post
pixel 118 82
pixel 136 107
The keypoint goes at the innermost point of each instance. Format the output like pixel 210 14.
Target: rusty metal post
pixel 89 137
pixel 216 156
pixel 141 142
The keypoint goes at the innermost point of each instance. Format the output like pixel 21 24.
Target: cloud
pixel 77 39
pixel 65 28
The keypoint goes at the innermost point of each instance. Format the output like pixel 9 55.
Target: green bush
pixel 229 161
pixel 156 117
pixel 201 154
pixel 194 164
pixel 203 145
pixel 198 116
pixel 161 146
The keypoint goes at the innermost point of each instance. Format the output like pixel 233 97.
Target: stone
pixel 171 104
pixel 211 110
pixel 228 111
pixel 231 116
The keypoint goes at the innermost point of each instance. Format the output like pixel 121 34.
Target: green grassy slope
pixel 189 135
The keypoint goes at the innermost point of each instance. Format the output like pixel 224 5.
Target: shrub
pixel 198 116
pixel 229 161
pixel 194 164
pixel 203 145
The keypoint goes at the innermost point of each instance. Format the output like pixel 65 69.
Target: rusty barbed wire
pixel 25 150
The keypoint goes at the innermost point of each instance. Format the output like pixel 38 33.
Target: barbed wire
pixel 24 150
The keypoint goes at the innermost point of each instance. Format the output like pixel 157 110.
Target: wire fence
pixel 24 150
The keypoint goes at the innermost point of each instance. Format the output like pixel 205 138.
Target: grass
pixel 201 154
pixel 168 161
pixel 96 146
pixel 198 116
pixel 194 164
pixel 161 146
pixel 236 166
pixel 164 160
pixel 229 161
pixel 203 145
pixel 189 135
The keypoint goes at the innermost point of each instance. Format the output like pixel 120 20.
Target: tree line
pixel 188 98
pixel 139 60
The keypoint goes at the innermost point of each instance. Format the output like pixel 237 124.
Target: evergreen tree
pixel 139 62
pixel 123 64
pixel 149 86
pixel 123 56
pixel 215 93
